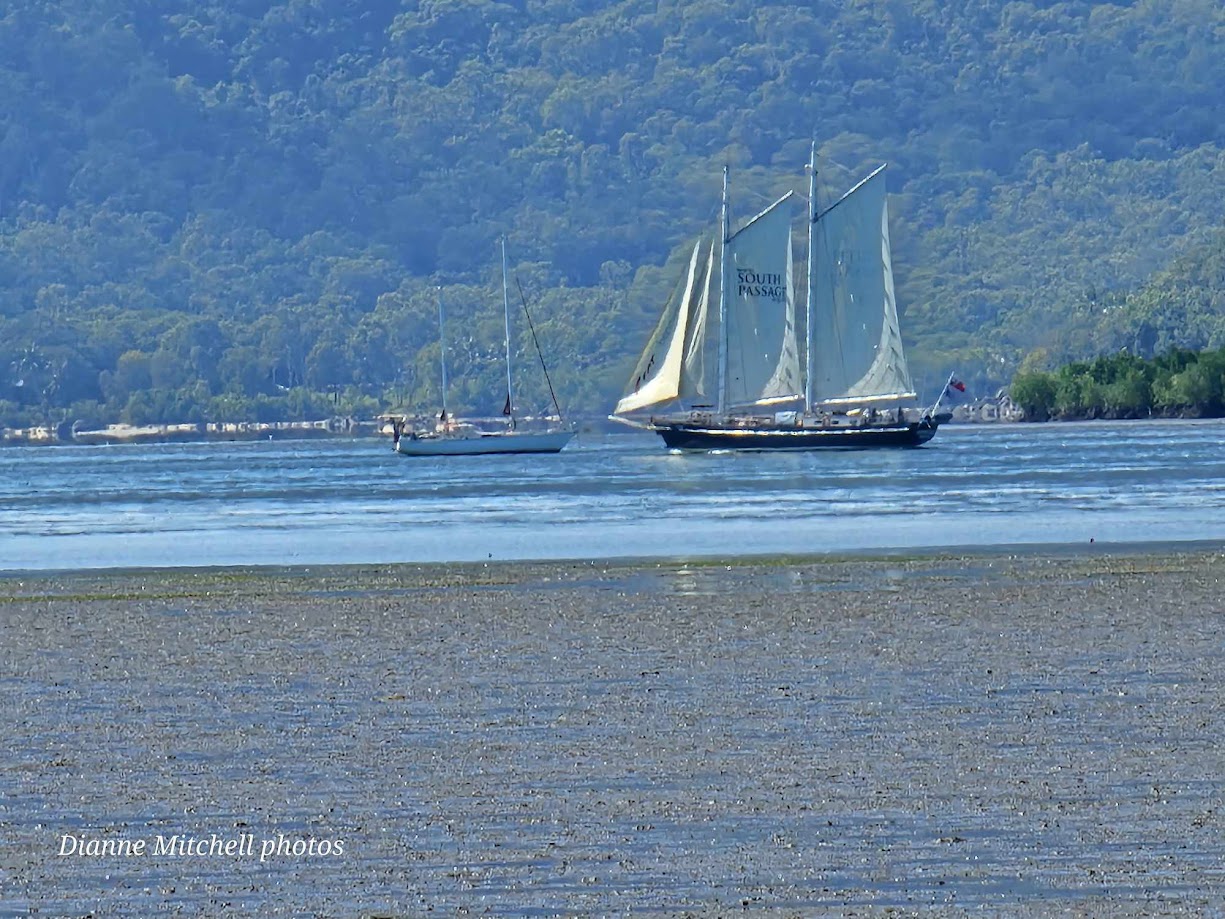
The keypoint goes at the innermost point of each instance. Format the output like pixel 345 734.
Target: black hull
pixel 683 436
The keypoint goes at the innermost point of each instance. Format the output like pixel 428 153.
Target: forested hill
pixel 212 210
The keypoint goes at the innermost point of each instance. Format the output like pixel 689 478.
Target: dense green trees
pixel 219 210
pixel 1178 383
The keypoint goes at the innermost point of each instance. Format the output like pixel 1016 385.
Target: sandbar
pixel 1019 733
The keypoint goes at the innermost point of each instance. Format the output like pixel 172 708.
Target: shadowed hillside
pixel 243 211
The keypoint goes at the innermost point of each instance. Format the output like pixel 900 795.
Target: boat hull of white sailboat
pixel 485 444
pixel 683 436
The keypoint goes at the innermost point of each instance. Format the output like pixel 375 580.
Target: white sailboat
pixel 854 389
pixel 451 436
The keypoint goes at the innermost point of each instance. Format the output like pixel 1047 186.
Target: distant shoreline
pixel 350 428
pixel 68 434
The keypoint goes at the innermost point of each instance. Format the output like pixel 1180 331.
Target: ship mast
pixel 724 229
pixel 812 251
pixel 442 349
pixel 510 400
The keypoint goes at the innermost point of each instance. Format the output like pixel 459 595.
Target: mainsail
pixel 673 365
pixel 857 347
pixel 763 363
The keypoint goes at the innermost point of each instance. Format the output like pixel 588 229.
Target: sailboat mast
pixel 510 399
pixel 442 351
pixel 725 232
pixel 812 252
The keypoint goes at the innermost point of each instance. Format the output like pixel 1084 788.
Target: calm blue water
pixel 303 502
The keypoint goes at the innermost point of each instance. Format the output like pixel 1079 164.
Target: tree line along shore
pixel 1177 384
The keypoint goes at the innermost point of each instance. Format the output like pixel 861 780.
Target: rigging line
pixel 830 159
pixel 539 353
pixel 758 196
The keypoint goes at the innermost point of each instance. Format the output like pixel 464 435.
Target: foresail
pixel 763 363
pixel 857 345
pixel 657 378
pixel 693 388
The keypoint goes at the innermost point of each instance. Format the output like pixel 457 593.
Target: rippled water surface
pixel 304 502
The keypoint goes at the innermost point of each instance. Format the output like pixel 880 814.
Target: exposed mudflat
pixel 1010 734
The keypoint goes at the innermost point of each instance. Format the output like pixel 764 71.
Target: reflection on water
pixel 606 496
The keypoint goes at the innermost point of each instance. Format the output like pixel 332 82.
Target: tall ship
pixel 843 383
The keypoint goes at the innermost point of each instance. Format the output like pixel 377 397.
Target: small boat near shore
pixel 468 440
pixel 451 436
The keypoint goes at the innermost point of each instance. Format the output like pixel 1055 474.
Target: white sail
pixel 763 363
pixel 657 378
pixel 693 387
pixel 857 347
